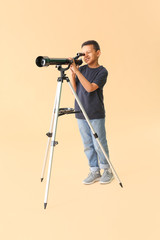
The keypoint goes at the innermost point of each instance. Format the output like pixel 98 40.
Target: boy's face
pixel 91 55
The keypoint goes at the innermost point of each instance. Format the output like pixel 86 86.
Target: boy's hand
pixel 73 67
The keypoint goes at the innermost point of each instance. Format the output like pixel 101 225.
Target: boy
pixel 88 82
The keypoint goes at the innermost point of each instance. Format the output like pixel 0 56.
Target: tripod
pixel 53 127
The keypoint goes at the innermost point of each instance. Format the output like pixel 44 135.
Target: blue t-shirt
pixel 91 101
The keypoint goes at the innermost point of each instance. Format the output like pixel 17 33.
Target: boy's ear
pixel 98 53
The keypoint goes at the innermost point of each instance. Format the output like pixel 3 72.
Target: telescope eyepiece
pixel 80 54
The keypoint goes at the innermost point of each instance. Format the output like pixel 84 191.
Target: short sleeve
pixel 101 78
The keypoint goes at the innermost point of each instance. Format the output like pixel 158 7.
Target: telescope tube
pixel 42 61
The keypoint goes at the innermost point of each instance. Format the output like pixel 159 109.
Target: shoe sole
pixel 96 180
pixel 107 182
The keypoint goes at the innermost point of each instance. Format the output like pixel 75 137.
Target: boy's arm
pixel 73 81
pixel 89 87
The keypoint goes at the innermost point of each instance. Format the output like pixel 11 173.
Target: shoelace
pixel 106 172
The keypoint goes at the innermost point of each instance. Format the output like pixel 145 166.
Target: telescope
pixel 42 61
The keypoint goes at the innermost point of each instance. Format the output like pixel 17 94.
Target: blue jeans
pixel 96 158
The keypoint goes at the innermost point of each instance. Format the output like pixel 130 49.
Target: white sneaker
pixel 107 176
pixel 92 177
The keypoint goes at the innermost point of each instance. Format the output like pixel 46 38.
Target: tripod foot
pixel 121 184
pixel 41 179
pixel 45 205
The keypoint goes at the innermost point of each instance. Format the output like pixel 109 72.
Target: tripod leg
pixel 59 88
pixel 49 139
pixel 93 132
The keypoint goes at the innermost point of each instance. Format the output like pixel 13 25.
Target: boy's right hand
pixel 71 69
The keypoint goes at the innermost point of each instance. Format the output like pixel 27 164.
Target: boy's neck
pixel 94 65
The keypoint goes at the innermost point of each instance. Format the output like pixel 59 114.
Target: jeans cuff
pixel 94 169
pixel 104 166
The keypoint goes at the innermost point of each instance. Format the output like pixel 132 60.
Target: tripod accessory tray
pixel 63 111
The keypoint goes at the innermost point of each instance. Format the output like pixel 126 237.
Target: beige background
pixel 129 35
